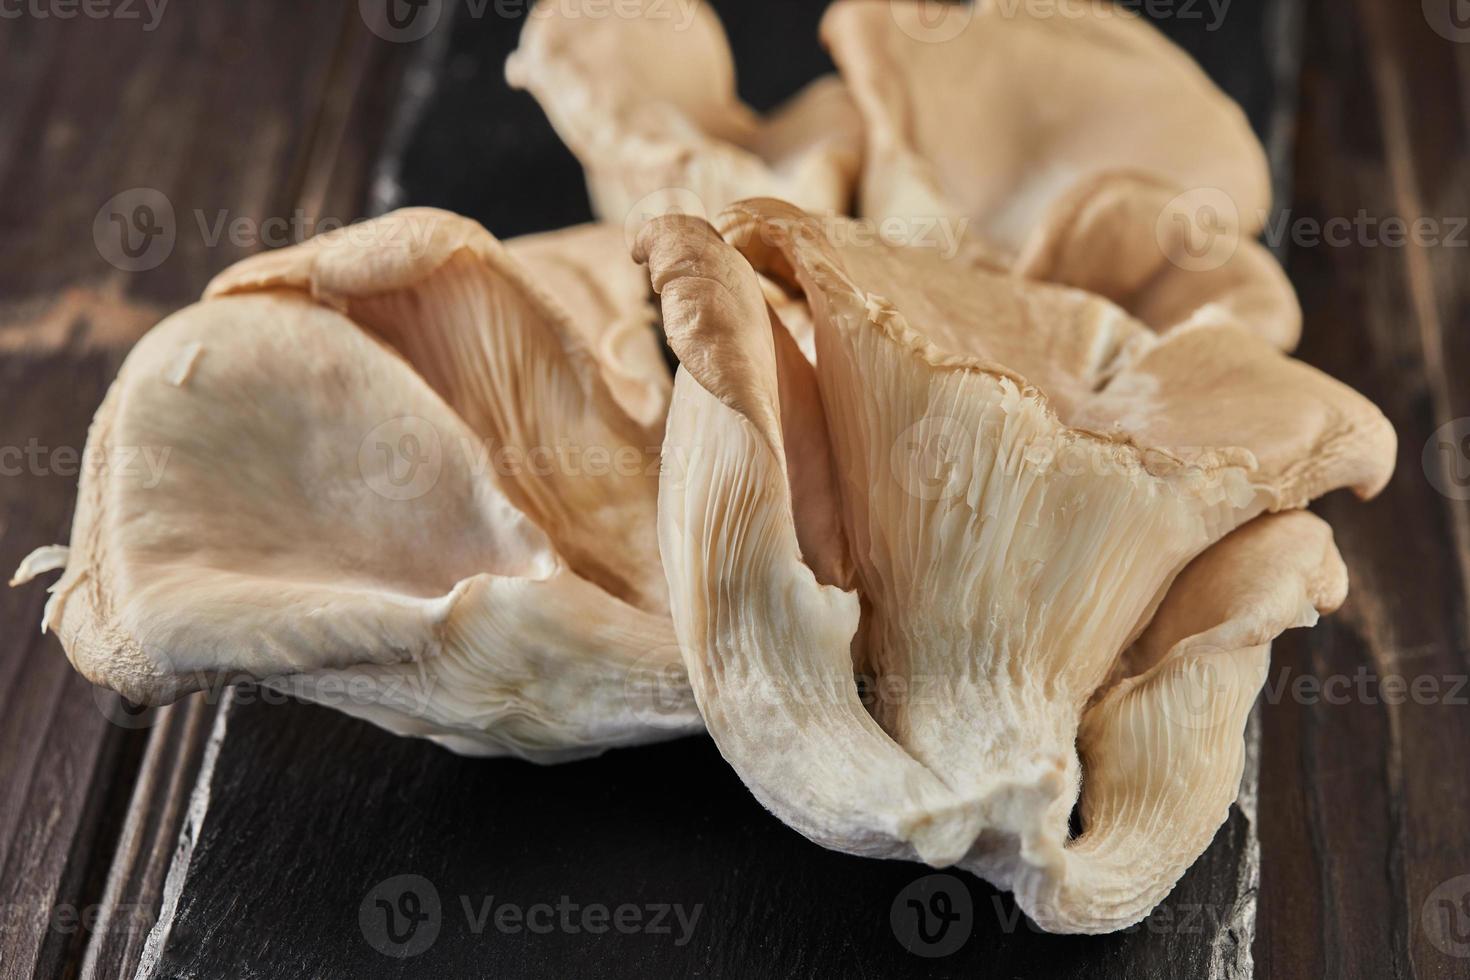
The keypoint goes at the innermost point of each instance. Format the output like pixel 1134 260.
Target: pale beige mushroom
pixel 644 94
pixel 395 481
pixel 1022 472
pixel 1160 255
pixel 587 269
pixel 1069 140
pixel 450 298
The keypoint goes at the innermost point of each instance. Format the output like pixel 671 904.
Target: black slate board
pixel 311 813
pixel 306 819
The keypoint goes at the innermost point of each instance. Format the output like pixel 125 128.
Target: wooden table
pixel 239 838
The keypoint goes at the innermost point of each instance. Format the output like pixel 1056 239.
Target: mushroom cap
pixel 1162 255
pixel 348 502
pixel 587 269
pixel 1022 102
pixel 646 100
pixel 506 356
pixel 1073 143
pixel 1022 471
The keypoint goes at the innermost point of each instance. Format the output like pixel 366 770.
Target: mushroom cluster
pixel 965 548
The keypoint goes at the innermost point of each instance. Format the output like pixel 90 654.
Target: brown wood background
pixel 258 109
pixel 268 107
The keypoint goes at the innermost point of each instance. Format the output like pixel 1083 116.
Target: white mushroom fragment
pixel 1079 144
pixel 1022 472
pixel 452 536
pixel 646 100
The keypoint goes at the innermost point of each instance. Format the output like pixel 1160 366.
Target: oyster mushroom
pixel 1073 142
pixel 645 97
pixel 1022 472
pixel 1161 255
pixel 605 294
pixel 398 481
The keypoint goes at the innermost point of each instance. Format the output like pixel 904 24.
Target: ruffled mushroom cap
pixel 1073 141
pixel 1026 100
pixel 1162 256
pixel 394 480
pixel 586 268
pixel 645 97
pixel 1022 472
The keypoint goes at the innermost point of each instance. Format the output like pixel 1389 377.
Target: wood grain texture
pixel 1366 798
pixel 247 110
pixel 56 747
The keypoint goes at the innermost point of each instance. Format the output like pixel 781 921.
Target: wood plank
pixel 305 814
pixel 1365 797
pixel 216 107
pixel 129 903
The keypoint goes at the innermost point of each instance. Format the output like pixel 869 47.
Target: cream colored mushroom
pixel 397 481
pixel 1071 140
pixel 587 270
pixel 644 95
pixel 1022 471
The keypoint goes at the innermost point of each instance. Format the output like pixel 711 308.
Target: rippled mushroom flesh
pixel 1022 471
pixel 399 480
pixel 646 100
pixel 1077 145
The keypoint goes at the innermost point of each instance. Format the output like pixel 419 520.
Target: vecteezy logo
pixel 931 21
pixel 656 687
pixel 1446 459
pixel 1450 19
pixel 1200 689
pixel 135 231
pixel 932 459
pixel 122 712
pixel 1446 917
pixel 1199 230
pixel 933 916
pixel 402 458
pixel 656 204
pixel 401 917
pixel 401 21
